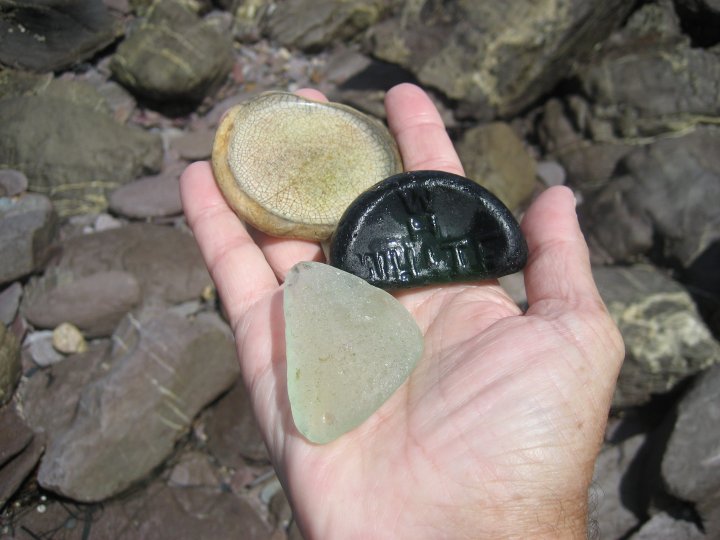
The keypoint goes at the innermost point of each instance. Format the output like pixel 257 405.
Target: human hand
pixel 496 431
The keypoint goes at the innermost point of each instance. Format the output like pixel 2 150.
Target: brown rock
pixel 149 197
pixel 9 364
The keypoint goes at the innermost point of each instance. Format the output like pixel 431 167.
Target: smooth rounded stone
pixel 68 339
pixel 426 227
pixel 39 346
pixel 194 145
pixel 349 347
pixel 290 166
pixel 149 197
pixel 94 303
pixel 551 173
pixel 10 366
pixel 12 183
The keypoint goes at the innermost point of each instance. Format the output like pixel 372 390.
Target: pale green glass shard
pixel 349 347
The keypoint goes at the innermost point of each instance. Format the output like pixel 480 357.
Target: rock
pixel 128 421
pixel 9 364
pixel 666 341
pixel 165 261
pixel 646 86
pixel 194 145
pixel 105 222
pixel 153 196
pixel 312 25
pixel 496 158
pixel 496 57
pixel 9 302
pixel 551 173
pixel 68 339
pixel 664 527
pixel 174 56
pixel 427 227
pixel 27 226
pixel 14 435
pixel 40 347
pixel 12 183
pixel 232 431
pixel 691 465
pixel 290 166
pixel 248 19
pixel 13 473
pixel 50 36
pixel 49 397
pixel 349 347
pixel 94 303
pixel 642 207
pixel 85 153
pixel 194 470
pixel 616 491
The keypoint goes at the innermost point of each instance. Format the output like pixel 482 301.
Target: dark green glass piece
pixel 423 227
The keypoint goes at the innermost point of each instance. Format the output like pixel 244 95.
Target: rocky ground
pixel 122 415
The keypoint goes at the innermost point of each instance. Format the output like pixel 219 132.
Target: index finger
pixel 419 131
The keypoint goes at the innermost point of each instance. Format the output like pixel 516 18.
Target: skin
pixel 495 433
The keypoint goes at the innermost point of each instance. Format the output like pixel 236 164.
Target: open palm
pixel 496 431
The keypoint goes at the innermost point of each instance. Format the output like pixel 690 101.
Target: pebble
pixel 67 339
pixel 9 302
pixel 551 173
pixel 40 346
pixel 426 227
pixel 349 347
pixel 12 183
pixel 290 166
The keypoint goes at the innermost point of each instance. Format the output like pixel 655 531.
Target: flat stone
pixel 194 145
pixel 291 166
pixel 349 347
pixel 149 197
pixel 94 303
pixel 164 370
pixel 426 227
pixel 14 434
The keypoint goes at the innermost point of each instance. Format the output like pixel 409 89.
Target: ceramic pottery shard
pixel 291 166
pixel 426 227
pixel 349 347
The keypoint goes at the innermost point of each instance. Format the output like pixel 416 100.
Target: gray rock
pixel 39 345
pixel 10 302
pixel 665 339
pixel 19 468
pixel 9 364
pixel 194 470
pixel 626 217
pixel 12 183
pixel 200 59
pixel 49 36
pixel 495 157
pixel 232 431
pixel 194 145
pixel 49 397
pixel 27 226
pixel 664 527
pixel 153 196
pixel 691 464
pixel 496 57
pixel 95 303
pixel 14 435
pixel 312 25
pixel 551 173
pixel 612 493
pixel 165 261
pixel 165 369
pixel 85 153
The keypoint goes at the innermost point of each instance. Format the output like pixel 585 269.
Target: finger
pixel 236 264
pixel 419 131
pixel 558 270
pixel 282 253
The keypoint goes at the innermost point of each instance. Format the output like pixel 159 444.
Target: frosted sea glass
pixel 349 347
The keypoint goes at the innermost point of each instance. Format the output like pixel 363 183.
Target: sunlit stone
pixel 349 347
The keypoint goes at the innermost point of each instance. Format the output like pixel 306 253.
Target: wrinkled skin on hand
pixel 495 433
